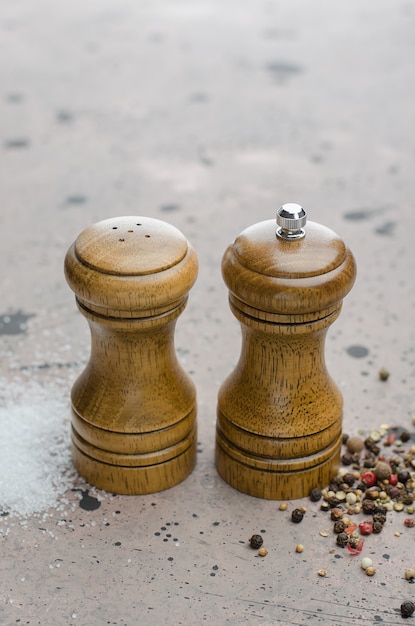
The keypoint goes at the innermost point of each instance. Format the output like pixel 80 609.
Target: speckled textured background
pixel 208 115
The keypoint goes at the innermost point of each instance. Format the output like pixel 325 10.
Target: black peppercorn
pixel 345 437
pixel 381 509
pixel 361 486
pixel 347 458
pixel 256 541
pixel 339 526
pixel 407 498
pixel 342 540
pixel 393 492
pixel 369 443
pixel 333 502
pixel 370 455
pixel 379 517
pixel 335 483
pixel 349 479
pixel 315 494
pixel 297 516
pixel 324 506
pixel 368 506
pixel 377 527
pixel 407 608
pixel 403 476
pixel 405 436
pixel 372 446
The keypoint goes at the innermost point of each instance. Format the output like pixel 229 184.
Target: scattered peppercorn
pixel 383 374
pixel 299 548
pixel 256 541
pixel 368 506
pixel 382 470
pixel 262 552
pixel 407 608
pixel 372 446
pixel 354 444
pixel 368 479
pixel 333 501
pixel 370 571
pixel 366 562
pixel 297 516
pixel 377 527
pixel 347 458
pixel 372 493
pixel 322 572
pixel 349 479
pixel 376 483
pixel 354 542
pixel 342 540
pixel 404 476
pixel 379 517
pixel 394 492
pixel 339 527
pixel 283 506
pixel 315 494
pixel 393 479
pixel 366 527
pixel 336 514
pixel 410 574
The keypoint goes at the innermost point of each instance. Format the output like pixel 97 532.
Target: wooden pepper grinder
pixel 279 420
pixel 134 407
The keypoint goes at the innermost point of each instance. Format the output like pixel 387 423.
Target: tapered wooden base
pixel 275 479
pixel 130 474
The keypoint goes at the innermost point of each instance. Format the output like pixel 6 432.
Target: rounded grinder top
pixel 297 269
pixel 131 266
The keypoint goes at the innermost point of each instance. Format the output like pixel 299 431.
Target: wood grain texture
pixel 133 407
pixel 279 416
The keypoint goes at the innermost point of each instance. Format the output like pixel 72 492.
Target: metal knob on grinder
pixel 291 218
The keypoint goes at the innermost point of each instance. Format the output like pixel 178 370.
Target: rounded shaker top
pixel 298 269
pixel 131 266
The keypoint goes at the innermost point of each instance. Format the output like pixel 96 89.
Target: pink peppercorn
pixel 368 479
pixel 393 479
pixel 366 527
pixel 409 522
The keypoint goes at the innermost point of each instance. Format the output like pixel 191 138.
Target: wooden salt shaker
pixel 134 407
pixel 279 418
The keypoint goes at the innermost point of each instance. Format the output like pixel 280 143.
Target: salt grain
pixel 35 459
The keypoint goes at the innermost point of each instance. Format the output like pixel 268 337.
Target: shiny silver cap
pixel 291 218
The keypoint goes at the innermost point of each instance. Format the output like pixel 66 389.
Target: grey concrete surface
pixel 208 114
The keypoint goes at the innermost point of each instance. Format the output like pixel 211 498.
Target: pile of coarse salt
pixel 35 458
